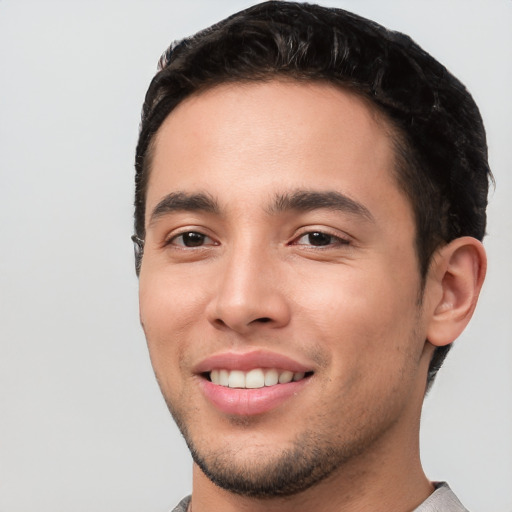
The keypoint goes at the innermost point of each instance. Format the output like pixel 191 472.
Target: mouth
pixel 255 378
pixel 252 383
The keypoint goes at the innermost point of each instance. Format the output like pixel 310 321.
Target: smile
pixel 250 383
pixel 255 378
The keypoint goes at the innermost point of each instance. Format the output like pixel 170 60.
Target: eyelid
pixel 173 235
pixel 340 237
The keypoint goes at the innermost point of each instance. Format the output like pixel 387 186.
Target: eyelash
pixel 333 240
pixel 172 239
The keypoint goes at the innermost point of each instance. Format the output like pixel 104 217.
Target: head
pixel 439 138
pixel 412 135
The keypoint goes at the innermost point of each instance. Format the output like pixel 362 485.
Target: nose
pixel 249 294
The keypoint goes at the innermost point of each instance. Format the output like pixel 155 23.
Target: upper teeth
pixel 252 379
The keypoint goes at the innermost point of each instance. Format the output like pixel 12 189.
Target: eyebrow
pixel 305 200
pixel 181 201
pixel 300 201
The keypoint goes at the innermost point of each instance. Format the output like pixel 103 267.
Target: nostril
pixel 263 320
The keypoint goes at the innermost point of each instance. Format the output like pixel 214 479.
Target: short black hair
pixel 438 134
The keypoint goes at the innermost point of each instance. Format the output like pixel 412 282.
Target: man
pixel 310 203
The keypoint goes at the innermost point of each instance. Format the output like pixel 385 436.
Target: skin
pixel 350 310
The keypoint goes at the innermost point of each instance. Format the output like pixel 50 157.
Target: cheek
pixel 370 331
pixel 169 300
pixel 169 308
pixel 367 315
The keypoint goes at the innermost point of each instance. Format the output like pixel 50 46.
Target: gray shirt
pixel 441 500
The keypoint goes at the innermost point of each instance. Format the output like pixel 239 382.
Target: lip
pixel 249 402
pixel 250 360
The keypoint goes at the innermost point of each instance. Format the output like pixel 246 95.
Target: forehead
pixel 275 135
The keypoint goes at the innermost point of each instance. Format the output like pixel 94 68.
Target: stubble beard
pixel 290 472
pixel 311 458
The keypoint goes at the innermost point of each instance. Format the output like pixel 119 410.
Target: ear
pixel 455 279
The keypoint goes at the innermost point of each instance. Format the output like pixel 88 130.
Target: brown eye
pixel 191 239
pixel 316 238
pixel 320 239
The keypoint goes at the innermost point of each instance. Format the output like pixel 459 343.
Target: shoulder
pixel 182 505
pixel 442 499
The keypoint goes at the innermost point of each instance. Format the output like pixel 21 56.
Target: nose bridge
pixel 249 293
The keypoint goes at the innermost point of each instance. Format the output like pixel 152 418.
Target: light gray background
pixel 82 425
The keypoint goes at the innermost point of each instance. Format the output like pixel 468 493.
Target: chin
pixel 266 472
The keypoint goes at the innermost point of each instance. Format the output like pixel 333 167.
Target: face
pixel 279 288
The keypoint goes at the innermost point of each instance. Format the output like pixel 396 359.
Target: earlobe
pixel 458 271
